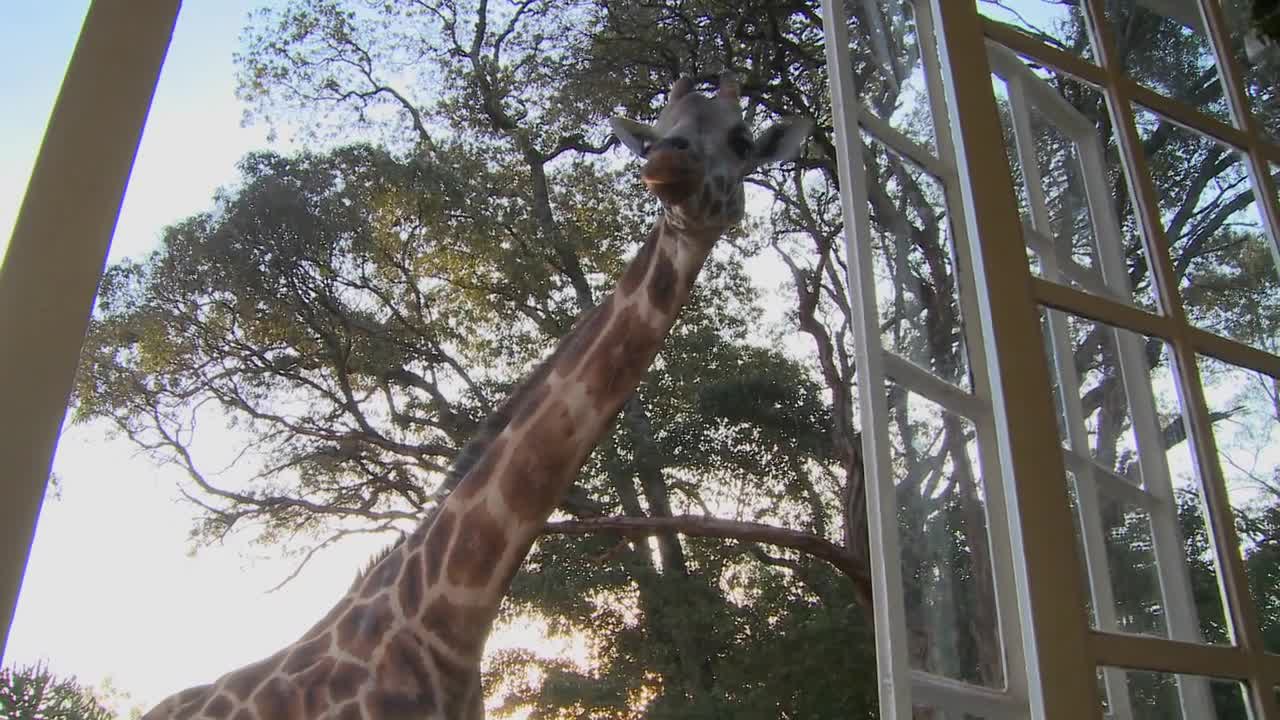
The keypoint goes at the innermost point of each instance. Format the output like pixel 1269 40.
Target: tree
pixel 354 312
pixel 33 692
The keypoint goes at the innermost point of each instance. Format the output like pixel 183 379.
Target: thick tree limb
pixel 713 527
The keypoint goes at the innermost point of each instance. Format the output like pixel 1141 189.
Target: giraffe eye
pixel 740 142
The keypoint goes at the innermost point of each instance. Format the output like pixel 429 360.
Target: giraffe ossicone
pixel 406 641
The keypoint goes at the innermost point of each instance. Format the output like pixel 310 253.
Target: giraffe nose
pixel 670 172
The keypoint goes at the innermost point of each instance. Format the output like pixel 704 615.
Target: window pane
pixel 1059 23
pixel 895 88
pixel 916 286
pixel 1163 46
pixel 1077 212
pixel 1257 62
pixel 1244 407
pixel 1220 248
pixel 1148 561
pixel 1165 696
pixel 946 558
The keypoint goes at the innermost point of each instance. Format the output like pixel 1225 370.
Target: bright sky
pixel 110 589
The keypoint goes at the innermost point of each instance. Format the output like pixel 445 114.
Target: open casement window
pixel 1063 240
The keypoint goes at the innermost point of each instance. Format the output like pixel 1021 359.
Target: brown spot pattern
pixel 244 681
pixel 455 676
pixel 404 683
pixel 315 686
pixel 314 700
pixel 437 544
pixel 620 360
pixel 529 402
pixel 478 478
pixel 411 587
pixel 476 549
pixel 461 627
pixel 574 346
pixel 384 574
pixel 305 655
pixel 639 266
pixel 662 283
pixel 350 712
pixel 539 466
pixel 278 698
pixel 345 681
pixel 219 706
pixel 363 627
pixel 190 701
pixel 244 714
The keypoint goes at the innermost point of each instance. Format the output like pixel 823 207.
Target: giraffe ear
pixel 637 137
pixel 782 141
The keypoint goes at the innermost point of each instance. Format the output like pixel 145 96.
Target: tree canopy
pixel 349 315
pixel 33 692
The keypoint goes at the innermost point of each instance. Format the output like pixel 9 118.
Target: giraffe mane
pixel 377 558
pixel 382 554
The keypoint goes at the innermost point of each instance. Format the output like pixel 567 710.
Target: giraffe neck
pixel 407 640
pixel 453 571
pixel 550 425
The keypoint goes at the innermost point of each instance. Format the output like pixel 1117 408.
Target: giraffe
pixel 406 641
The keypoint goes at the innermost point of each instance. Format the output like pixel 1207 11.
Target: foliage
pixel 351 313
pixel 33 692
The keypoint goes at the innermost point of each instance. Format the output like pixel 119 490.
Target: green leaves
pixel 32 692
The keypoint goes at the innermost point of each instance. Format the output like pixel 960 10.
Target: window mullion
pixel 994 478
pixel 882 510
pixel 1060 673
pixel 1089 508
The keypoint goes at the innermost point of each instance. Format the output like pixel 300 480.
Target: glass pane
pixel 1244 407
pixel 1059 23
pixel 946 561
pixel 1140 518
pixel 1220 248
pixel 1079 221
pixel 896 88
pixel 1163 46
pixel 1165 696
pixel 1256 61
pixel 1132 568
pixel 916 285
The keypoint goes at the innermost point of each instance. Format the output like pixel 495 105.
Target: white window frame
pixel 1042 616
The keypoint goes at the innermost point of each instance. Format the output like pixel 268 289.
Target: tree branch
pixel 712 527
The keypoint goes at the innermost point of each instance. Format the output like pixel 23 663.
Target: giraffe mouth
pixel 671 175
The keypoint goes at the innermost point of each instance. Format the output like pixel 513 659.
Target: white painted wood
pixel 1060 672
pixel 892 666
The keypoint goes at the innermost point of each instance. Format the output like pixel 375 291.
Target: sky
pixel 110 590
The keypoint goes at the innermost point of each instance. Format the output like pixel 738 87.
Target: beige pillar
pixel 55 259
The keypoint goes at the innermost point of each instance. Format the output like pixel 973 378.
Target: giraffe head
pixel 700 151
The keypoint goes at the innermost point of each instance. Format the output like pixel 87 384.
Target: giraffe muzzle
pixel 671 175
